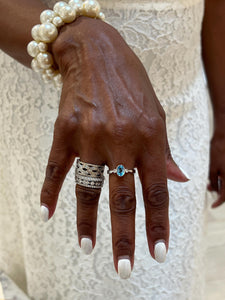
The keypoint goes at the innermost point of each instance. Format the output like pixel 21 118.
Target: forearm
pixel 16 20
pixel 213 51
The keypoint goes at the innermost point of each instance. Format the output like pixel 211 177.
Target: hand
pixel 217 165
pixel 110 115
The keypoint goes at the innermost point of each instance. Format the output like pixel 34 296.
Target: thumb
pixel 173 171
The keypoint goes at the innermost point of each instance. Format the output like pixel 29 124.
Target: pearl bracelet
pixel 47 32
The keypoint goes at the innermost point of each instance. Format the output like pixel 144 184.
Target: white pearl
pixel 35 66
pixel 57 21
pixel 46 78
pixel 101 16
pixel 48 32
pixel 47 16
pixel 77 4
pixel 45 60
pixel 35 32
pixel 32 48
pixel 42 47
pixel 58 83
pixel 58 79
pixel 67 13
pixel 91 8
pixel 58 88
pixel 50 72
pixel 58 5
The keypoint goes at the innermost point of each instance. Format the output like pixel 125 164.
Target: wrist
pixel 80 41
pixel 71 40
pixel 46 33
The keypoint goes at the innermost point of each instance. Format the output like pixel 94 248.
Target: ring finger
pixel 88 193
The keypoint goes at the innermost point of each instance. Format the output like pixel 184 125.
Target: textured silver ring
pixel 89 175
pixel 120 171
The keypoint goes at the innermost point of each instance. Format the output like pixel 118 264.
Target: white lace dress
pixel 166 37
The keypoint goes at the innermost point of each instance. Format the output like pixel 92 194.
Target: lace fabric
pixel 166 37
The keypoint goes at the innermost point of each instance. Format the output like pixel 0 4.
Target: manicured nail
pixel 44 213
pixel 86 245
pixel 160 252
pixel 185 173
pixel 124 268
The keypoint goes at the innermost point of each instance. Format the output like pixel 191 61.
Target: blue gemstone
pixel 120 170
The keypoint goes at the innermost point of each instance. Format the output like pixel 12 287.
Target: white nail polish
pixel 124 268
pixel 185 173
pixel 86 245
pixel 160 252
pixel 44 213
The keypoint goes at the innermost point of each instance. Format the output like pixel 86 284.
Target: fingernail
pixel 160 252
pixel 86 245
pixel 44 213
pixel 185 173
pixel 124 268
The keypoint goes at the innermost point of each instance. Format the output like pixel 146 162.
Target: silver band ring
pixel 120 171
pixel 89 175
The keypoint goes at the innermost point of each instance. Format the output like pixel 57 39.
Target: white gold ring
pixel 89 175
pixel 120 171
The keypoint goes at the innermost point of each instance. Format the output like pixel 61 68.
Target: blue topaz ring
pixel 120 171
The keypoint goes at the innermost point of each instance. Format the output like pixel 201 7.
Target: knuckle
pixel 158 230
pixel 157 195
pixel 47 193
pixel 122 201
pixel 119 130
pixel 152 127
pixel 98 125
pixel 52 178
pixel 123 244
pixel 54 172
pixel 88 197
pixel 66 123
pixel 94 128
pixel 84 226
pixel 156 123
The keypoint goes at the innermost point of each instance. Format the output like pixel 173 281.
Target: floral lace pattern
pixel 166 37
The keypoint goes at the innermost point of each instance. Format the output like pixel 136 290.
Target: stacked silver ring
pixel 89 175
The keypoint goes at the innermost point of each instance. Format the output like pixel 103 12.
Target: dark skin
pixel 214 60
pixel 101 121
pixel 110 118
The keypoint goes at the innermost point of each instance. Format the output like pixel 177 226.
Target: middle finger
pixel 122 208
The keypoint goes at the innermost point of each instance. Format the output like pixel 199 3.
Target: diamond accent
pixel 89 175
pixel 89 170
